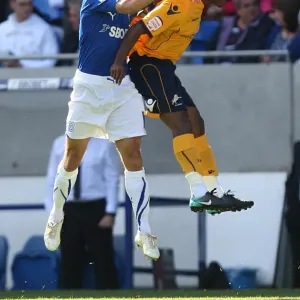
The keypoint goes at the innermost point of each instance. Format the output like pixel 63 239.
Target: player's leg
pixel 79 129
pixel 137 188
pixel 64 182
pixel 209 168
pixel 156 80
pixel 147 75
pixel 125 127
pixel 187 156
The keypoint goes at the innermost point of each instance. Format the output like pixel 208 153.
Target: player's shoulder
pixel 175 7
pixel 88 5
pixel 175 2
pixel 179 2
pixel 186 9
pixel 184 5
pixel 93 5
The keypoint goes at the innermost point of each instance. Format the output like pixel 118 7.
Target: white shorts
pixel 102 109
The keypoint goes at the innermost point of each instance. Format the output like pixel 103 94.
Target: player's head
pixel 22 8
pixel 248 10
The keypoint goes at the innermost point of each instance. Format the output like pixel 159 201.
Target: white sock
pixel 63 185
pixel 211 182
pixel 136 186
pixel 196 183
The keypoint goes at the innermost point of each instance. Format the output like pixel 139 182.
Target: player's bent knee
pixel 178 122
pixel 130 152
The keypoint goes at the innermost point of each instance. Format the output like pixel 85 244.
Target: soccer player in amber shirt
pixel 157 38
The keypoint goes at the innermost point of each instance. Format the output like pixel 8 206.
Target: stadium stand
pixel 34 267
pixel 44 8
pixel 205 33
pixel 89 279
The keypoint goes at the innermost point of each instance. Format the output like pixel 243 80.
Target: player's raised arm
pixel 117 70
pixel 131 6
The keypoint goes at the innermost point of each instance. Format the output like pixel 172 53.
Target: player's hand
pixel 107 221
pixel 117 72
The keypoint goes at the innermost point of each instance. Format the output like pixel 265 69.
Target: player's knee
pixel 73 154
pixel 178 122
pixel 132 158
pixel 130 151
pixel 185 129
pixel 72 159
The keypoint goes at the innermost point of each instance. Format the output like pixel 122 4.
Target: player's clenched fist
pixel 117 72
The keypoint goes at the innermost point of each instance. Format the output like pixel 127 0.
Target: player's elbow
pixel 123 7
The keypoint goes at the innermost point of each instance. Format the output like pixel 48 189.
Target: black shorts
pixel 156 81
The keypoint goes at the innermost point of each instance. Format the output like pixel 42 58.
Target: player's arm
pixel 121 6
pixel 132 6
pixel 117 70
pixel 154 23
pixel 124 6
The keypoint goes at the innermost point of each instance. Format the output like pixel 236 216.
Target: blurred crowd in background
pixel 49 27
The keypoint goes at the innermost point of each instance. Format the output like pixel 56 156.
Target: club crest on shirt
pixel 71 126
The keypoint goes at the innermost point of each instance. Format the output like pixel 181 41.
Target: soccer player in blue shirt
pixel 100 108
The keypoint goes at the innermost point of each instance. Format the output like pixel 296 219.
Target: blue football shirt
pixel 100 34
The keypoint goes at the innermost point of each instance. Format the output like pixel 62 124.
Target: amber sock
pixel 186 156
pixel 208 164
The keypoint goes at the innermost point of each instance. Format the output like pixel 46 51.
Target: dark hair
pixel 290 10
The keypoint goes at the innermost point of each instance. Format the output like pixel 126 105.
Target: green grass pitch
pixel 156 295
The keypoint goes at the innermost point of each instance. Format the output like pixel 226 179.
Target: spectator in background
pixel 71 40
pixel 25 33
pixel 284 36
pixel 248 30
pixel 267 5
pixel 213 11
pixel 229 8
pixel 89 214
